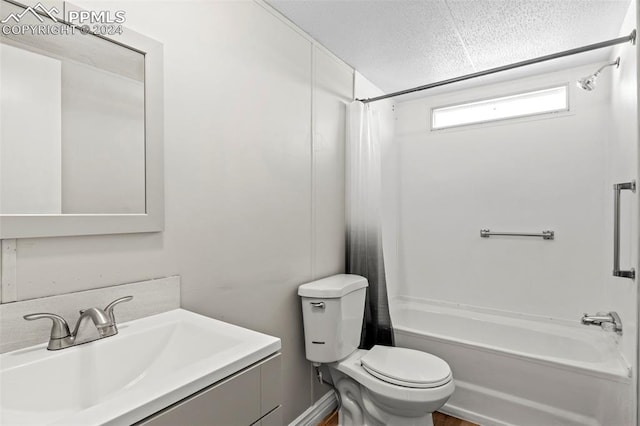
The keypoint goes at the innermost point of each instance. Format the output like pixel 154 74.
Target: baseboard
pixel 318 411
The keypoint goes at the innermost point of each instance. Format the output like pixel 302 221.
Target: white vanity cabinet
pixel 249 397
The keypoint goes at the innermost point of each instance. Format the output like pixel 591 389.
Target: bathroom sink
pixel 151 363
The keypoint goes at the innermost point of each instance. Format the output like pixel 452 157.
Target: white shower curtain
pixel 364 227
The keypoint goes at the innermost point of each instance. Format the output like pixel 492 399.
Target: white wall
pixel 253 208
pixel 523 175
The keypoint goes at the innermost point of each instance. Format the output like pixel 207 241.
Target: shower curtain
pixel 364 225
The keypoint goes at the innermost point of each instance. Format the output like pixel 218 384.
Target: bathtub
pixel 517 370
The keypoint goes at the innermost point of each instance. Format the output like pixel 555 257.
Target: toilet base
pixel 424 421
pixel 358 407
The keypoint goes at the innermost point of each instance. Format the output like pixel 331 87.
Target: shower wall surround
pixel 523 175
pixel 550 172
pixel 254 177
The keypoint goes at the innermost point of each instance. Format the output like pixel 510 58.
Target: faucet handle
pixel 109 309
pixel 59 329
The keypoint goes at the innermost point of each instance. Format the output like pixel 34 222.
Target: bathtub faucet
pixel 608 321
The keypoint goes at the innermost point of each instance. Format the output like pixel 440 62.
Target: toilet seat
pixel 406 367
pixel 389 394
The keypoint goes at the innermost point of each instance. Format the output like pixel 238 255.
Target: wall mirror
pixel 81 128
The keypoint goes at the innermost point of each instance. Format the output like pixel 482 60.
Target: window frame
pixel 566 86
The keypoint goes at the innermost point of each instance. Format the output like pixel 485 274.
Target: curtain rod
pixel 630 38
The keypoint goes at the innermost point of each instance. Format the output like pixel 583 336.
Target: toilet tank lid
pixel 332 287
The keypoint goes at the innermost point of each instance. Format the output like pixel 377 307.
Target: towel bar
pixel 546 235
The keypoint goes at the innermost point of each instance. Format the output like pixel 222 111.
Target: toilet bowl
pixel 378 387
pixel 405 388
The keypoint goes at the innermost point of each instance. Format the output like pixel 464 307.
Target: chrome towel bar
pixel 545 235
pixel 617 272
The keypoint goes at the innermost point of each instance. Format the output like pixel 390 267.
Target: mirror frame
pixel 50 225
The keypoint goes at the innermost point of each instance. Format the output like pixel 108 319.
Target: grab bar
pixel 546 235
pixel 630 186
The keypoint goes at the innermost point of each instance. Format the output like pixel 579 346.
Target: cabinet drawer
pixel 234 402
pixel 270 384
pixel 238 400
pixel 274 418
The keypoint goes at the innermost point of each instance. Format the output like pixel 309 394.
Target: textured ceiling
pixel 404 43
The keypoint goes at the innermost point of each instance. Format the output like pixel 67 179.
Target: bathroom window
pixel 537 102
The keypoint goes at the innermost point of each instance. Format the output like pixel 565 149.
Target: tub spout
pixel 608 321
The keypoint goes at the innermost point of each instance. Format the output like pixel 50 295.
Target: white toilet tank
pixel 333 311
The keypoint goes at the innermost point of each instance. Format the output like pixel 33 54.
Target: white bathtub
pixel 517 370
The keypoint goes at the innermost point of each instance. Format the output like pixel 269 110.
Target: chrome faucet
pixel 608 321
pixel 103 319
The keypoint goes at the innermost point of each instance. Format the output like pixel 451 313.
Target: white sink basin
pixel 152 362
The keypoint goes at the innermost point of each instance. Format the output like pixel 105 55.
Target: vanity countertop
pixel 150 364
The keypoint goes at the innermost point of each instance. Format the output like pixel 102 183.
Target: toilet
pixel 378 387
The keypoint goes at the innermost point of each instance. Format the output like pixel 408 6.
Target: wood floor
pixel 330 420
pixel 439 419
